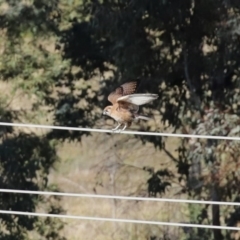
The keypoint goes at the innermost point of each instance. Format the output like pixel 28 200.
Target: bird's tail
pixel 143 117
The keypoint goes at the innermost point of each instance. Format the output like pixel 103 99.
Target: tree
pixel 188 51
pixel 25 164
pixel 211 167
pixel 26 67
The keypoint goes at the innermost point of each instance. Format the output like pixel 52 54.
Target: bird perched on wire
pixel 125 104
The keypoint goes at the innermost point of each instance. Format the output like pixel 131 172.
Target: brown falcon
pixel 125 104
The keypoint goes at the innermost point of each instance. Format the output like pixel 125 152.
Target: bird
pixel 125 104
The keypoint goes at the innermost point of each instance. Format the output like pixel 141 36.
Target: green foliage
pixel 182 51
pixel 30 66
pixel 36 17
pixel 198 215
pixel 25 161
pixel 212 167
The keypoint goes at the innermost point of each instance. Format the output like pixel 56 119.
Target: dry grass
pixel 116 162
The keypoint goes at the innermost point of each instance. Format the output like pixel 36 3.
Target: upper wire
pixel 122 132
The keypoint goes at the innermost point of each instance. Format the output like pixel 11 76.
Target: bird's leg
pixel 125 125
pixel 114 129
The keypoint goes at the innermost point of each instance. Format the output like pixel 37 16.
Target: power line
pixel 119 197
pixel 122 132
pixel 119 220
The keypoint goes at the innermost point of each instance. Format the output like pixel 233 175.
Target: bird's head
pixel 107 110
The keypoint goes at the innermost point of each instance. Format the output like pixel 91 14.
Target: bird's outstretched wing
pixel 137 99
pixel 125 89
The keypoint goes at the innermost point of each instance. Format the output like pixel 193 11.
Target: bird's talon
pixel 116 128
